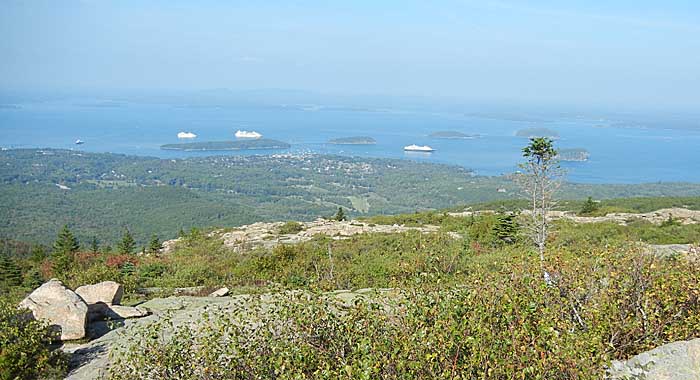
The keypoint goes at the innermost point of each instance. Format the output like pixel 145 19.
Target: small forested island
pixel 454 135
pixel 573 154
pixel 537 132
pixel 228 145
pixel 355 140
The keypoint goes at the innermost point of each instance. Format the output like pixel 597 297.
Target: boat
pixel 79 142
pixel 418 148
pixel 247 135
pixel 186 135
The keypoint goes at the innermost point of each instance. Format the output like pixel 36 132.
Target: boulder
pixel 107 292
pixel 220 293
pixel 64 310
pixel 673 361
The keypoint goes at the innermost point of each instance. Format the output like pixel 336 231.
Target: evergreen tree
pixel 506 229
pixel 340 215
pixel 589 207
pixel 10 274
pixel 64 248
pixel 127 244
pixel 154 246
pixel 66 243
pixel 128 269
pixel 38 253
pixel 33 279
pixel 94 245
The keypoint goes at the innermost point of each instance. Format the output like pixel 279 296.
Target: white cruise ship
pixel 79 142
pixel 418 148
pixel 247 135
pixel 186 135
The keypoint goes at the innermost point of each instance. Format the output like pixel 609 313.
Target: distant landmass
pixel 355 140
pixel 573 154
pixel 537 132
pixel 228 145
pixel 454 135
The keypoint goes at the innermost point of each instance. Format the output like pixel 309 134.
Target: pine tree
pixel 33 279
pixel 506 229
pixel 340 215
pixel 128 269
pixel 10 274
pixel 64 248
pixel 38 253
pixel 66 243
pixel 154 246
pixel 589 207
pixel 127 244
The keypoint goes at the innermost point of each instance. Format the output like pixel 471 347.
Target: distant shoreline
pixel 213 146
pixel 355 140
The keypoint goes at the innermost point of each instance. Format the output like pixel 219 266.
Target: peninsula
pixel 228 145
pixel 452 135
pixel 355 140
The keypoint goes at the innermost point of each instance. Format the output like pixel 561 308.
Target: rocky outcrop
pixel 673 361
pixel 91 360
pixel 267 234
pixel 220 292
pixel 63 309
pixel 680 215
pixel 107 292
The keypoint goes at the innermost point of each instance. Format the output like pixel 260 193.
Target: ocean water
pixel 618 154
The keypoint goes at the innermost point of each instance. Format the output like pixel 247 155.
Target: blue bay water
pixel 618 155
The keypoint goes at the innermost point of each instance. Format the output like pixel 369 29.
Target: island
pixel 228 145
pixel 355 140
pixel 573 154
pixel 452 135
pixel 537 132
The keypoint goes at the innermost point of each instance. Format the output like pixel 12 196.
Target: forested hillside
pixel 98 195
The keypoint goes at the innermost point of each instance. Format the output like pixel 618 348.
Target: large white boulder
pixel 64 310
pixel 107 292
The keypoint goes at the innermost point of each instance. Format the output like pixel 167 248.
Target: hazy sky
pixel 627 52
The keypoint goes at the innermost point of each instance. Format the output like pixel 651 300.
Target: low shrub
pixel 290 228
pixel 25 351
pixel 502 322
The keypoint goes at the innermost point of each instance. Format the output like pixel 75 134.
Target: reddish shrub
pixel 46 268
pixel 117 261
pixel 86 258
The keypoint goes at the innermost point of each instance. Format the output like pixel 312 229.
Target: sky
pixel 637 53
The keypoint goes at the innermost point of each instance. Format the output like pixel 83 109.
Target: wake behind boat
pixel 247 135
pixel 418 148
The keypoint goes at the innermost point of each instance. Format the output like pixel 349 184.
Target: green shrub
pixel 290 228
pixel 24 347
